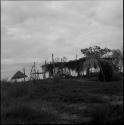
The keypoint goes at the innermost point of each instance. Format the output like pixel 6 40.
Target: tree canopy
pixel 95 51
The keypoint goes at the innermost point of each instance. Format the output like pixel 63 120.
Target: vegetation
pixel 61 101
pixel 94 57
pixel 118 59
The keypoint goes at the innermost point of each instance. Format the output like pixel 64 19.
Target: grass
pixel 24 114
pixel 62 101
pixel 107 114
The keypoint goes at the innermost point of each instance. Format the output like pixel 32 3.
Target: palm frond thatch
pixel 19 75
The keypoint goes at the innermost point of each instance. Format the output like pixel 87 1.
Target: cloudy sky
pixel 32 30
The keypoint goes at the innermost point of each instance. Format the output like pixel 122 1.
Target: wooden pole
pixel 31 73
pixel 15 80
pixel 53 64
pixel 34 71
pixel 76 56
pixel 37 74
pixel 61 66
pixel 24 73
pixel 44 75
pixel 45 62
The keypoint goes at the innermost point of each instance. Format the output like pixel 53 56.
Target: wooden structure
pixel 34 73
pixel 64 68
pixel 71 68
pixel 19 75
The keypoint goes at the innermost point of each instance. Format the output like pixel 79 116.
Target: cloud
pixel 110 13
pixel 33 30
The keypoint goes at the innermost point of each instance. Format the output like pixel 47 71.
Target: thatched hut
pixel 19 75
pixel 64 67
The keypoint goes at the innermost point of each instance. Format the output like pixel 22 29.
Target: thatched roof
pixel 70 64
pixel 18 75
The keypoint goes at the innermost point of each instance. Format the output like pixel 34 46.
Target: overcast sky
pixel 32 30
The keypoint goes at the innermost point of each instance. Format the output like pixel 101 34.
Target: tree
pixel 117 56
pixel 90 62
pixel 93 58
pixel 95 51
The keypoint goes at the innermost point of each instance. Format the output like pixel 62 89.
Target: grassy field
pixel 62 101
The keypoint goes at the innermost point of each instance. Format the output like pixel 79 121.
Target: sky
pixel 33 30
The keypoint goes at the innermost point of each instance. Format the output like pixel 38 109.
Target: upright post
pixel 45 62
pixel 31 77
pixel 34 71
pixel 76 56
pixel 61 66
pixel 44 76
pixel 24 73
pixel 15 80
pixel 38 75
pixel 53 64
